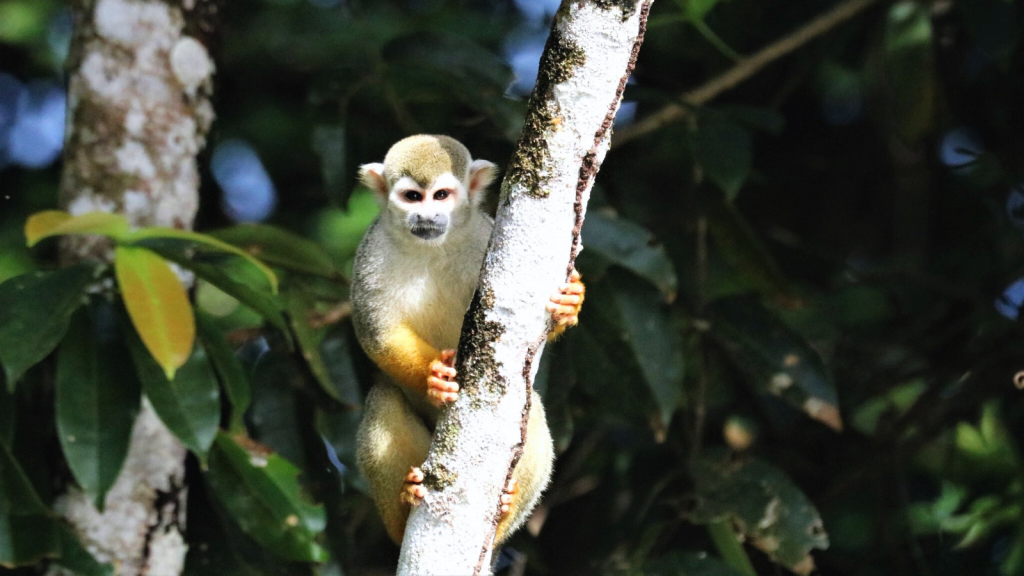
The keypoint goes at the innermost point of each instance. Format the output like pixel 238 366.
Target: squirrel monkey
pixel 415 273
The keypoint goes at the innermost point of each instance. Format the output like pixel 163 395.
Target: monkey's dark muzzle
pixel 427 232
pixel 429 228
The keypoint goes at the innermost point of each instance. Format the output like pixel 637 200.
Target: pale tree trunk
pixel 138 113
pixel 586 63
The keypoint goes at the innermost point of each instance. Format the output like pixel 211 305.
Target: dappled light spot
pixel 31 122
pixel 249 194
pixel 1009 303
pixel 960 147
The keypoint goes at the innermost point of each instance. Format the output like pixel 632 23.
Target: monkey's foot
pixel 441 386
pixel 566 303
pixel 413 490
pixel 508 495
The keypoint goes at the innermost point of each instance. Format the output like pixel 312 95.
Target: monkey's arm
pixel 412 362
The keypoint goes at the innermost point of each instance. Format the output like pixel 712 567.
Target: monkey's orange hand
pixel 565 304
pixel 413 490
pixel 441 386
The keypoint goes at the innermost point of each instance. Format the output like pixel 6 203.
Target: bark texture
pixel 586 63
pixel 138 113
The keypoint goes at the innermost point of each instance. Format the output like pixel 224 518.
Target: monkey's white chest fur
pixel 426 287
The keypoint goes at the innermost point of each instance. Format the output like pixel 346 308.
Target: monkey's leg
pixel 391 439
pixel 531 475
pixel 565 305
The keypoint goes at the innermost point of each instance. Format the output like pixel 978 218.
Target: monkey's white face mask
pixel 429 214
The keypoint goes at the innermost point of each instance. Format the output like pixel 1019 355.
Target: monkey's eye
pixel 412 196
pixel 441 194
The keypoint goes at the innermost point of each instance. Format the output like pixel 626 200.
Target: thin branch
pixel 742 70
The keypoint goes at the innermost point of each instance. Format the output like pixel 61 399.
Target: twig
pixel 336 314
pixel 742 70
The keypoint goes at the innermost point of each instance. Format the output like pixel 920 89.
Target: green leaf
pixel 309 340
pixel 261 492
pixel 336 350
pixel 776 357
pixel 265 305
pixel 695 10
pixel 280 248
pixel 744 251
pixel 17 496
pixel 56 223
pixel 685 563
pixel 725 150
pixel 27 534
pixel 157 233
pixel 76 558
pixel 35 310
pixel 190 404
pixel 763 504
pixel 157 304
pixel 97 400
pixel 654 340
pixel 631 246
pixel 25 540
pixel 232 375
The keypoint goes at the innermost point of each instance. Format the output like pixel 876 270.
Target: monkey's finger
pixel 441 385
pixel 571 288
pixel 512 488
pixel 447 357
pixel 415 475
pixel 574 276
pixel 569 299
pixel 559 310
pixel 442 371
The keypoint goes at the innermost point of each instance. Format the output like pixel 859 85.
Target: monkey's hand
pixel 413 490
pixel 565 305
pixel 441 386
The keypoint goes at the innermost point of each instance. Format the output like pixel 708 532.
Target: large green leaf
pixel 232 374
pixel 157 304
pixel 27 533
pixel 190 404
pixel 266 305
pixel 203 240
pixel 309 340
pixel 261 492
pixel 76 558
pixel 25 540
pixel 743 250
pixel 97 400
pixel 280 248
pixel 725 150
pixel 631 246
pixel 35 310
pixel 779 359
pixel 654 340
pixel 764 506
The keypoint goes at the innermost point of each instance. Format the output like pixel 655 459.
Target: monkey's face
pixel 428 213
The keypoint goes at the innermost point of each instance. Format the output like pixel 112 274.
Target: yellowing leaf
pixel 55 223
pixel 205 239
pixel 157 304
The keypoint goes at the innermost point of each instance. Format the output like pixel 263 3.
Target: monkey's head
pixel 427 186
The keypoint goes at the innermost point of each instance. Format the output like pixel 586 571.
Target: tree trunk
pixel 583 72
pixel 138 113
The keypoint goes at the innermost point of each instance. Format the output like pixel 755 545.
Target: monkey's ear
pixel 372 176
pixel 481 174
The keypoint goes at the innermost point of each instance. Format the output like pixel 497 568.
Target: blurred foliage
pixel 801 334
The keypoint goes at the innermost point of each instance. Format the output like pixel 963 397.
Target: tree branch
pixel 743 70
pixel 586 63
pixel 138 113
